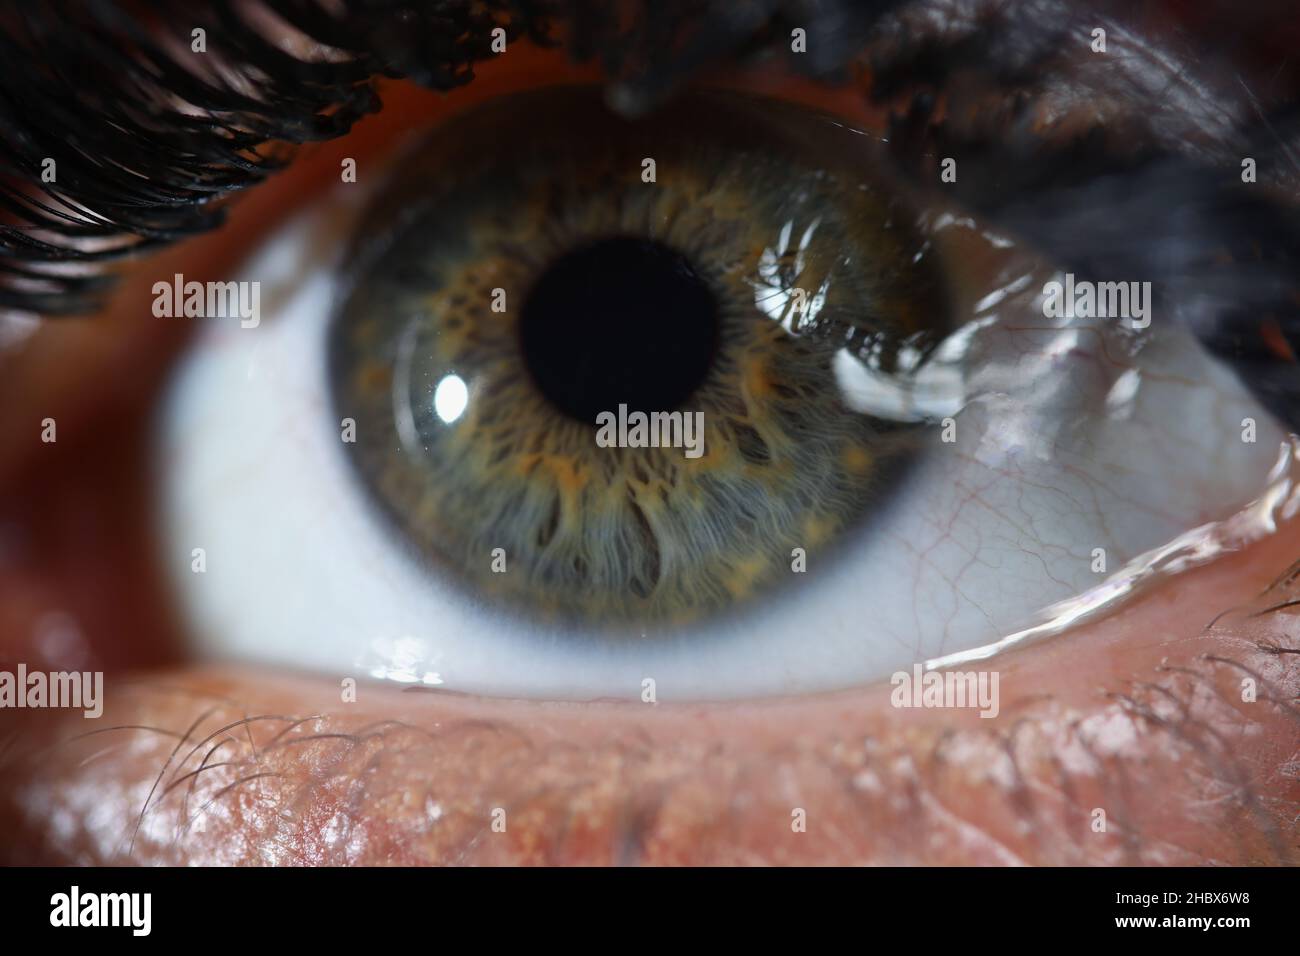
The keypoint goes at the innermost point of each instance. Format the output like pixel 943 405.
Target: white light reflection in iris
pixel 450 398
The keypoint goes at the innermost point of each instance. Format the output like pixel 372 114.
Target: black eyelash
pixel 147 140
pixel 99 89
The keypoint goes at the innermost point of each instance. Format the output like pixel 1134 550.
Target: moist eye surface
pixel 542 268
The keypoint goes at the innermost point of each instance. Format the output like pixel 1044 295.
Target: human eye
pixel 857 427
pixel 911 462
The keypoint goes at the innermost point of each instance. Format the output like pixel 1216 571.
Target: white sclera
pixel 1059 451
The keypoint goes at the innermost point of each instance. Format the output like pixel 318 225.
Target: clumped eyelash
pixel 149 139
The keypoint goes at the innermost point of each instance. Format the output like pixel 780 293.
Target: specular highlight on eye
pixel 708 263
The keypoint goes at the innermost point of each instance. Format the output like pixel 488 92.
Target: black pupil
pixel 620 321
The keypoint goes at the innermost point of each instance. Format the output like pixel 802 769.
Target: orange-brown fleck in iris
pixel 704 266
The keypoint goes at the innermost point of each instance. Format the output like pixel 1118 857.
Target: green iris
pixel 542 261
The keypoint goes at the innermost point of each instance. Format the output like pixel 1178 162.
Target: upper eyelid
pixel 147 180
pixel 197 164
pixel 194 165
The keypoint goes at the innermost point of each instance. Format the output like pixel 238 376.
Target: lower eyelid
pixel 1139 716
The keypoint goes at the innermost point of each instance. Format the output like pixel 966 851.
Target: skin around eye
pixel 1140 715
pixel 1065 456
